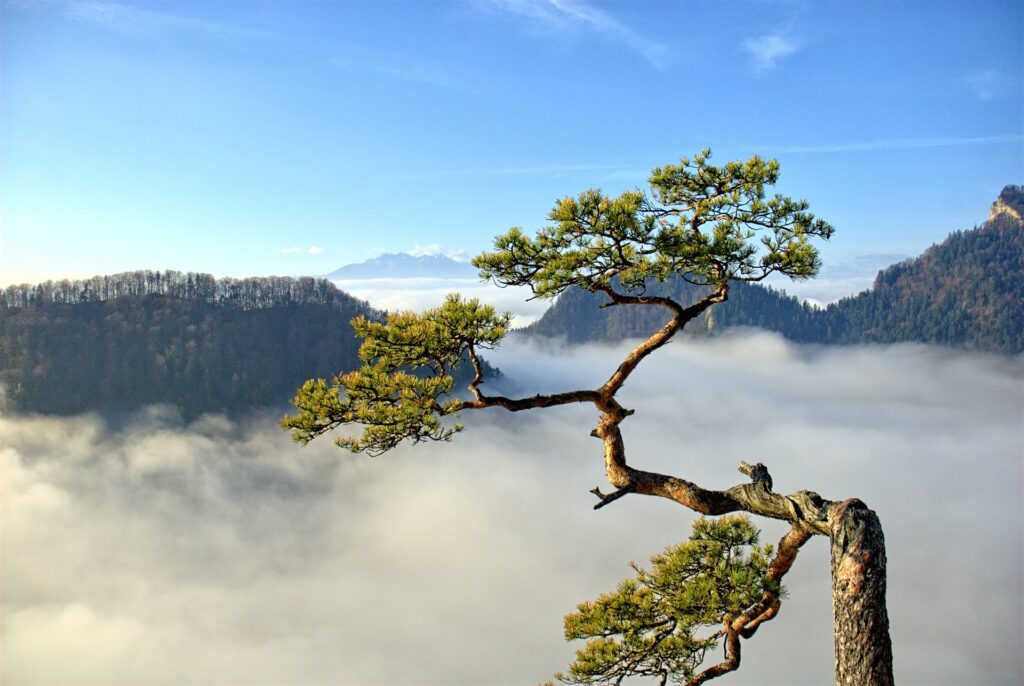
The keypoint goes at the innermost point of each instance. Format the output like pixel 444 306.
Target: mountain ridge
pixel 405 266
pixel 226 345
pixel 202 344
pixel 967 291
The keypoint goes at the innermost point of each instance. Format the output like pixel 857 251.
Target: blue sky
pixel 254 138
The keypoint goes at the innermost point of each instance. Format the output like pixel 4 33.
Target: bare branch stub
pixel 758 473
pixel 608 498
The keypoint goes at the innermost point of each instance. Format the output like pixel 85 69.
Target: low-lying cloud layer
pixel 418 294
pixel 221 553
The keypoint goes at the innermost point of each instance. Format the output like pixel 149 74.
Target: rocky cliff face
pixel 1009 203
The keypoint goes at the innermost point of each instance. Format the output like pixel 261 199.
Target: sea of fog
pixel 218 552
pixel 418 294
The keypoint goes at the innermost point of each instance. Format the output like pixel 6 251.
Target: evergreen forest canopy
pixel 200 343
pixel 255 293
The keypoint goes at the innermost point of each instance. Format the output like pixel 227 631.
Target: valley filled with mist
pixel 785 238
pixel 151 550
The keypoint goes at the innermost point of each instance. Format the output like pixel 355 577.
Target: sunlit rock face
pixel 1009 204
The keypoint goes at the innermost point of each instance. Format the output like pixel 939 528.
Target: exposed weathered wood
pixel 860 620
pixel 785 555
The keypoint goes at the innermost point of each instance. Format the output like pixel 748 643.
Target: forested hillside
pixel 200 343
pixel 206 344
pixel 967 291
pixel 578 316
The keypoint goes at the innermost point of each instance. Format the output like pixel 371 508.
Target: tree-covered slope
pixel 578 316
pixel 967 291
pixel 199 343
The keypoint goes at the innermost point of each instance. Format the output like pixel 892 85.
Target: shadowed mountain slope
pixel 202 344
pixel 967 291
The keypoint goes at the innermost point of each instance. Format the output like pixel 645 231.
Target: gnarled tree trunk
pixel 860 620
pixel 863 654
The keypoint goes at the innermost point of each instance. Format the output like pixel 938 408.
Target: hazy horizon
pixel 252 138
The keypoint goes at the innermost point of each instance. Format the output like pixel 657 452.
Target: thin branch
pixel 730 664
pixel 805 509
pixel 681 316
pixel 606 499
pixel 479 373
pixel 518 404
pixel 768 607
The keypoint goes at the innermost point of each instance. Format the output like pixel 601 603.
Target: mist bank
pixel 218 552
pixel 424 293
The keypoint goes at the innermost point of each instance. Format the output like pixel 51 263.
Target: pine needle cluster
pixel 402 391
pixel 651 625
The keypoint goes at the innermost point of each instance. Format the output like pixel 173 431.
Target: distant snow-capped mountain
pixel 405 266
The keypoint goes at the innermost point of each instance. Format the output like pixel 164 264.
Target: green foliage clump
pixel 648 626
pixel 701 224
pixel 400 391
pixel 964 292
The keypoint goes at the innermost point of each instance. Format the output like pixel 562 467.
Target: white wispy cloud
pixel 895 144
pixel 419 294
pixel 142 22
pixel 606 171
pixel 566 15
pixel 458 255
pixel 133 20
pixel 987 84
pixel 293 250
pixel 769 49
pixel 348 57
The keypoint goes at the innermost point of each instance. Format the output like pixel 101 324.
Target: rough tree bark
pixel 863 648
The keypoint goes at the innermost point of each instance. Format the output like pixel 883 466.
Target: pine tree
pixel 711 226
